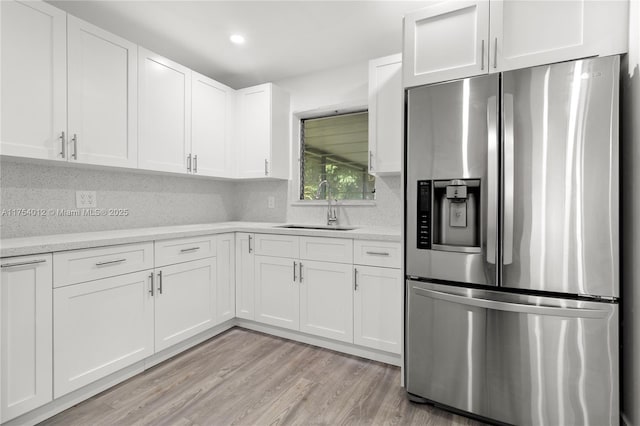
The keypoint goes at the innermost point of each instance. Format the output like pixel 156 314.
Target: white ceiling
pixel 284 38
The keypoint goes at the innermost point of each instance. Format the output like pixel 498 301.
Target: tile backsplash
pixel 160 200
pixel 150 199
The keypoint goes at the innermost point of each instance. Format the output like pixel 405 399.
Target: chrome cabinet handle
pixel 371 160
pixel 300 272
pixel 266 167
pixel 160 282
pixel 110 262
pixel 190 249
pixel 378 253
pixel 250 244
pixel 151 289
pixel 29 262
pixel 495 53
pixel 294 270
pixel 189 163
pixel 482 55
pixel 74 139
pixel 355 279
pixel 195 164
pixel 63 145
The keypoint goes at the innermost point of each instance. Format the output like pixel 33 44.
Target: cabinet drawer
pixel 184 249
pixel 338 250
pixel 377 253
pixel 76 266
pixel 277 245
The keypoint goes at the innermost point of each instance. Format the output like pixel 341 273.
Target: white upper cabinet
pixel 34 80
pixel 263 132
pixel 164 135
pixel 211 127
pixel 103 81
pixel 455 39
pixel 446 41
pixel 385 114
pixel 529 33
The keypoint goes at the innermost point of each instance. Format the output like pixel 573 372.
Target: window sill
pixel 340 203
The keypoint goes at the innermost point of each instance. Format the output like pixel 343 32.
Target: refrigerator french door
pixel 512 242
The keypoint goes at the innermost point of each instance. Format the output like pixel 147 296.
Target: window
pixel 335 149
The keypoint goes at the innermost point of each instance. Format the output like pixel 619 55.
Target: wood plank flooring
pixel 243 377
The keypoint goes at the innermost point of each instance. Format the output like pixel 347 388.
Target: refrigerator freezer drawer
pixel 518 359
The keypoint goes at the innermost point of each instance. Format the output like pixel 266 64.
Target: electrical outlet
pixel 86 199
pixel 271 201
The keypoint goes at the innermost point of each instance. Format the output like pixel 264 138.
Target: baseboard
pixel 348 348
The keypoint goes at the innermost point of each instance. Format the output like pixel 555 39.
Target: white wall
pixel 335 89
pixel 630 87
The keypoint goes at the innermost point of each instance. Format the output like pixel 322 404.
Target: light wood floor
pixel 243 377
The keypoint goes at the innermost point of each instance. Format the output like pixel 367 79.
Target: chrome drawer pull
pixel 187 250
pixel 110 262
pixel 30 262
pixel 378 253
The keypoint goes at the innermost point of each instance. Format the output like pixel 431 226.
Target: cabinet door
pixel 378 308
pixel 34 80
pixel 25 334
pixel 326 299
pixel 226 278
pixel 254 131
pixel 101 327
pixel 165 113
pixel 530 33
pixel 103 91
pixel 385 114
pixel 185 301
pixel 211 125
pixel 277 292
pixel 446 41
pixel 245 276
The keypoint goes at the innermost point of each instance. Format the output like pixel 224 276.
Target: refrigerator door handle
pixel 513 307
pixel 492 178
pixel 508 159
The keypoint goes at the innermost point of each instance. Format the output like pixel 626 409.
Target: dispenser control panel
pixel 424 215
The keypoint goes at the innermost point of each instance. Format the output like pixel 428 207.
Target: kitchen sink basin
pixel 322 227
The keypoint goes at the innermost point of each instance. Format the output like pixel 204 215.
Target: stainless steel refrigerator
pixel 511 244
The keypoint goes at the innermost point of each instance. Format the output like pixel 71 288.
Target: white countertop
pixel 60 242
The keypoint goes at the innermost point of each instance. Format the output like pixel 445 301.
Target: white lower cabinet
pixel 326 300
pixel 100 327
pixel 378 308
pixel 184 301
pixel 226 277
pixel 25 334
pixel 245 278
pixel 277 292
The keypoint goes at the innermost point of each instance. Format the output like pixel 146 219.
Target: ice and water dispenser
pixel 449 215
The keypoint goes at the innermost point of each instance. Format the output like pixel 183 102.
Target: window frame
pixel 297 188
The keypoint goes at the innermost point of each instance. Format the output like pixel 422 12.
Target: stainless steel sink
pixel 322 227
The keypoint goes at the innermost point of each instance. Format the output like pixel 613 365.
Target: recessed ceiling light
pixel 237 39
